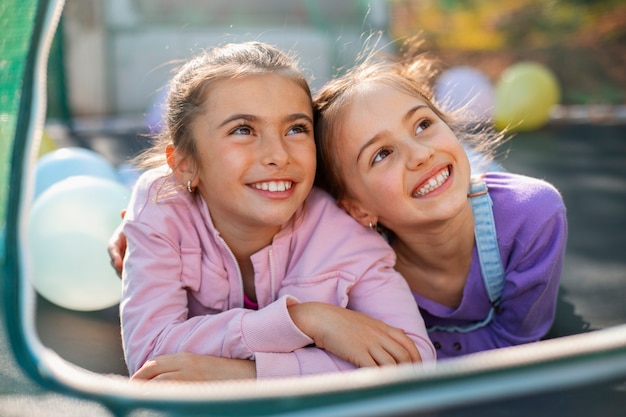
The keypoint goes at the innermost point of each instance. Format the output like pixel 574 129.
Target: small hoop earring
pixel 189 186
pixel 372 227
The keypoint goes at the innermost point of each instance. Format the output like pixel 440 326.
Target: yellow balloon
pixel 525 95
pixel 47 144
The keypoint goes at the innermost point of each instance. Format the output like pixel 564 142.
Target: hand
pixel 117 248
pixel 354 336
pixel 184 366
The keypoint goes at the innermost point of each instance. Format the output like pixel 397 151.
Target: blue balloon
pixel 128 174
pixel 69 228
pixel 71 161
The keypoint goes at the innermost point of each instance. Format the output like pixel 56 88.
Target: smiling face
pixel 256 152
pixel 402 165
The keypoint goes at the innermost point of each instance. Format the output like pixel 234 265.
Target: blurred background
pixel 111 60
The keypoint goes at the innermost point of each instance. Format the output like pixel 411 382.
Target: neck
pixel 245 242
pixel 435 259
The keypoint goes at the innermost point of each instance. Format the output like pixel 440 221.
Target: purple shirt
pixel 532 232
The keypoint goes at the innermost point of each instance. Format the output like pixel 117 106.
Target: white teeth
pixel 433 183
pixel 273 186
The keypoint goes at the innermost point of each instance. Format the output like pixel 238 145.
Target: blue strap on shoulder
pixel 488 254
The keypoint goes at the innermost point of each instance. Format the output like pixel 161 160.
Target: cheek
pixel 307 156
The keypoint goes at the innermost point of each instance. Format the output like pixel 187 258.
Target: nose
pixel 274 150
pixel 418 153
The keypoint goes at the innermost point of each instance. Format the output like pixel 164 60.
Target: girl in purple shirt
pixel 482 254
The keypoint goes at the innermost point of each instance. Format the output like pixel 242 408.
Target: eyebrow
pixel 252 118
pixel 382 133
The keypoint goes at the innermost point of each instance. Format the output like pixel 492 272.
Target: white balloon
pixel 69 228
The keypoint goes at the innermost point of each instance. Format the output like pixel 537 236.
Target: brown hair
pixel 411 72
pixel 192 83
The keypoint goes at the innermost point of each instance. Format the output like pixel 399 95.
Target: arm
pixel 155 309
pixel 186 366
pixel 117 250
pixel 364 341
pixel 354 336
pixel 357 338
pixel 381 296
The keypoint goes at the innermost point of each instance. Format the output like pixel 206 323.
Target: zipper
pixel 272 280
pixel 232 255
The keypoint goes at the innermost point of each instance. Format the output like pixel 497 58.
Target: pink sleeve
pixel 304 361
pixel 381 293
pixel 154 311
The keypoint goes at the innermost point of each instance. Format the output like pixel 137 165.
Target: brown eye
pixel 423 125
pixel 380 155
pixel 300 128
pixel 242 130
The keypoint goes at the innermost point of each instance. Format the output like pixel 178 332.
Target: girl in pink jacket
pixel 231 251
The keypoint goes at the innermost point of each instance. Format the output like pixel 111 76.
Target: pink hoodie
pixel 182 288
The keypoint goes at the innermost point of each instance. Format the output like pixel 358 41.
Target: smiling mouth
pixel 432 184
pixel 273 186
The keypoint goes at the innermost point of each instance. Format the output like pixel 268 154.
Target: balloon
pixel 525 95
pixel 66 162
pixel 69 227
pixel 154 113
pixel 468 88
pixel 128 174
pixel 47 144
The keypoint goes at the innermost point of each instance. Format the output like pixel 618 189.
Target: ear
pixel 354 209
pixel 183 167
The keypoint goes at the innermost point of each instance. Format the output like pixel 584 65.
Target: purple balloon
pixel 465 87
pixel 155 112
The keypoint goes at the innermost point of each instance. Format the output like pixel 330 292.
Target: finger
pixel 155 367
pixel 400 348
pixel 381 356
pixel 170 376
pixel 408 345
pixel 116 263
pixel 148 371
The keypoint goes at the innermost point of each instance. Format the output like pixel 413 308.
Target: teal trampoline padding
pixel 17 26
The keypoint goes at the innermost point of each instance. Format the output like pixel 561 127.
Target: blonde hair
pixel 411 72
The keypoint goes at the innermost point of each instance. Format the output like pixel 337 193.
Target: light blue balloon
pixel 128 174
pixel 66 162
pixel 69 228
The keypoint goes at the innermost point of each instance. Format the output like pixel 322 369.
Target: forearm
pixel 236 333
pixel 186 366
